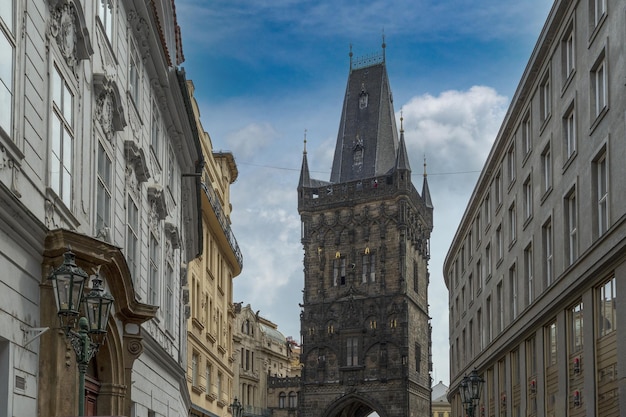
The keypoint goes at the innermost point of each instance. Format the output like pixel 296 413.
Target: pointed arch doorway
pixel 355 406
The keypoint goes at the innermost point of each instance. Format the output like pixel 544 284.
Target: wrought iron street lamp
pixel 68 282
pixel 471 387
pixel 236 408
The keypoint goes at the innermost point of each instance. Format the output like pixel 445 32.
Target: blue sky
pixel 266 70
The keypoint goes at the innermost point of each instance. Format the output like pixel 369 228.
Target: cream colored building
pixel 440 406
pixel 261 353
pixel 209 293
pixel 536 272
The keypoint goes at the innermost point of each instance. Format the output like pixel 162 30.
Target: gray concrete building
pixel 536 272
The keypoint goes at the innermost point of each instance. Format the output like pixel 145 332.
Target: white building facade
pixel 98 153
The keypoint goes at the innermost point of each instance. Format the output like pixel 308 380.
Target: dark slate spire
pixel 426 190
pixel 367 141
pixel 305 178
pixel 402 160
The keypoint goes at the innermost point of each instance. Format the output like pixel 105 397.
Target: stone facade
pixel 209 290
pixel 365 324
pixel 96 141
pixel 536 271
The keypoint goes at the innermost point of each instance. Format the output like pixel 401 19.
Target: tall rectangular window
pixel 7 57
pixel 134 76
pixel 571 224
pixel 488 262
pixel 510 163
pixel 529 274
pixel 568 57
pixel 488 320
pixel 415 277
pixel 500 307
pixel 569 132
pixel 499 243
pixel 207 378
pixel 547 253
pixel 368 262
pixel 545 94
pixel 498 188
pixel 607 307
pixel 597 10
pixel 513 302
pixel 546 169
pixel 171 170
pixel 103 193
pixel 169 299
pixel 531 356
pixel 528 198
pixel 527 138
pixel 418 357
pixel 155 130
pixel 339 271
pixel 600 177
pixel 195 363
pixel 479 274
pixel 481 330
pixel 105 14
pixel 487 209
pixel 352 351
pixel 576 328
pixel 599 87
pixel 62 138
pixel 551 344
pixel 132 239
pixel 153 287
pixel 512 224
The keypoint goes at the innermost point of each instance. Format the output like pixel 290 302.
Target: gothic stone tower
pixel 365 323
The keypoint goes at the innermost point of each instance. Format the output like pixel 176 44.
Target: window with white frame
pixel 598 87
pixel 352 351
pixel 132 239
pixel 597 10
pixel 7 58
pixel 103 191
pixel 600 177
pixel 607 307
pixel 169 299
pixel 499 243
pixel 551 344
pixel 61 160
pixel 546 169
pixel 479 274
pixel 512 223
pixel 155 260
pixel 568 53
pixel 368 262
pixel 134 75
pixel 510 163
pixel 571 224
pixel 155 130
pixel 528 198
pixel 488 263
pixel 547 252
pixel 105 15
pixel 569 132
pixel 529 274
pixel 513 291
pixel 545 95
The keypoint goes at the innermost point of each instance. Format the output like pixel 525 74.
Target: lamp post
pixel 470 389
pixel 68 282
pixel 236 408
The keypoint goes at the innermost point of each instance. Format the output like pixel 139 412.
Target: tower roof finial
pixel 384 44
pixel 350 54
pixel 425 174
pixel 304 141
pixel 401 122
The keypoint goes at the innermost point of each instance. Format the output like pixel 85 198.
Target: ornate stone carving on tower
pixel 364 323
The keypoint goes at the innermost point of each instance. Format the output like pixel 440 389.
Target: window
pixel 281 400
pixel 478 233
pixel 470 287
pixel 513 291
pixel 153 288
pixel 479 274
pixel 499 243
pixel 207 378
pixel 512 224
pixel 510 163
pixel 169 299
pixel 528 198
pixel 219 385
pixel 155 133
pixel 597 10
pixel 568 57
pixel 600 181
pixel 531 356
pixel 571 225
pixel 7 56
pixel 481 330
pixel 607 312
pixel 293 400
pixel 103 193
pixel 171 171
pixel 415 277
pixel 547 252
pixel 352 351
pixel 500 306
pixel 498 188
pixel 569 132
pixel 598 87
pixel 527 140
pixel 546 169
pixel 551 344
pixel 488 320
pixel 132 239
pixel 369 267
pixel 339 271
pixel 195 363
pixel 105 14
pixel 576 329
pixel 529 277
pixel 134 76
pixel 418 357
pixel 545 94
pixel 62 138
pixel 488 260
pixel 487 209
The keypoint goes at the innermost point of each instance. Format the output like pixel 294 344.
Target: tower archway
pixel 354 405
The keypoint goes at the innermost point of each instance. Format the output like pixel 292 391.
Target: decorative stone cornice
pixel 109 111
pixel 156 197
pixel 67 26
pixel 136 158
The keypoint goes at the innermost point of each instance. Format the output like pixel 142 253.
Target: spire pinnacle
pixel 425 174
pixel 384 44
pixel 304 142
pixel 350 54
pixel 401 122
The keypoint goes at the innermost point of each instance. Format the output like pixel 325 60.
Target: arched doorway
pixel 353 405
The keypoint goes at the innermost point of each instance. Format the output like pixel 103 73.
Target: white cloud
pixel 248 141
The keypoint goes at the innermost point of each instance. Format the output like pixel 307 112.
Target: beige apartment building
pixel 536 272
pixel 209 291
